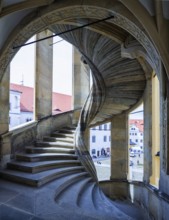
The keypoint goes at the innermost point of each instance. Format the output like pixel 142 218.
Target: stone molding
pixel 36 22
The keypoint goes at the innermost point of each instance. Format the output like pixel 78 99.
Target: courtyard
pixel 102 165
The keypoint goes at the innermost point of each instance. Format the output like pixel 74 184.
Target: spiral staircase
pixel 59 166
pixel 62 185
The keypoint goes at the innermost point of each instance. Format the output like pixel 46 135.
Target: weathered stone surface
pixel 44 76
pixel 119 147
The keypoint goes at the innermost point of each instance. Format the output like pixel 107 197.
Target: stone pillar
pixel 154 180
pixel 147 99
pixel 119 147
pixel 5 143
pixel 81 80
pixel 4 102
pixel 44 76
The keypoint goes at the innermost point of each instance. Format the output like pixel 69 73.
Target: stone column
pixel 81 80
pixel 119 147
pixel 44 76
pixel 147 99
pixel 154 180
pixel 5 143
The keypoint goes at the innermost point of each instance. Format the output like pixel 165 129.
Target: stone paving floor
pixel 135 171
pixel 21 202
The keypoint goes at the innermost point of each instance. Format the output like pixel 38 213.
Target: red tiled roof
pixel 26 96
pixel 139 123
pixel 61 102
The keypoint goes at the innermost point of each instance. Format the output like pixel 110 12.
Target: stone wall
pixel 17 139
pixel 154 203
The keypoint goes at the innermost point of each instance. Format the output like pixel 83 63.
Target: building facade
pixel 100 141
pixel 22 104
pixel 100 138
pixel 136 135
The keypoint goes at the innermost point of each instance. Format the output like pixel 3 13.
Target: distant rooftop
pixel 139 123
pixel 61 102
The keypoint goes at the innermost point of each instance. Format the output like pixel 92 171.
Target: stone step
pixel 35 167
pixel 66 196
pixel 68 187
pixel 58 139
pixel 54 144
pixel 45 156
pixel 49 150
pixel 71 128
pixel 62 135
pixel 66 131
pixel 39 179
pixel 83 201
pixel 97 199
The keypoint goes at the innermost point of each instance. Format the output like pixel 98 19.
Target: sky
pixel 137 113
pixel 23 66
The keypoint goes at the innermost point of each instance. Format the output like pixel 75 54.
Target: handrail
pixel 89 111
pixel 56 115
pixel 34 130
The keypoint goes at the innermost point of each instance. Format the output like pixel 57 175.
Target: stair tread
pixel 51 148
pixel 57 143
pixel 71 135
pixel 40 175
pixel 67 196
pixel 61 139
pixel 43 163
pixel 66 130
pixel 83 200
pixel 45 154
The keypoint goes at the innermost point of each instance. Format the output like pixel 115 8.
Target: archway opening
pixel 136 144
pixel 100 150
pixel 22 80
pixel 62 76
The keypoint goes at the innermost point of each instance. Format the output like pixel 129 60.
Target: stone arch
pixel 37 22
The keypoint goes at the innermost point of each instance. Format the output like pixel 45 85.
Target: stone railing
pixel 88 113
pixel 26 134
pixel 154 202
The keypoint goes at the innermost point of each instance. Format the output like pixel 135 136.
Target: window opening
pixel 22 79
pixel 100 150
pixel 136 149
pixel 62 76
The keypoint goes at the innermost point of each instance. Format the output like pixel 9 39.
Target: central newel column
pixel 119 147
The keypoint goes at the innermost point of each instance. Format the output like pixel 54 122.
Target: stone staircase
pixel 45 161
pixel 53 161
